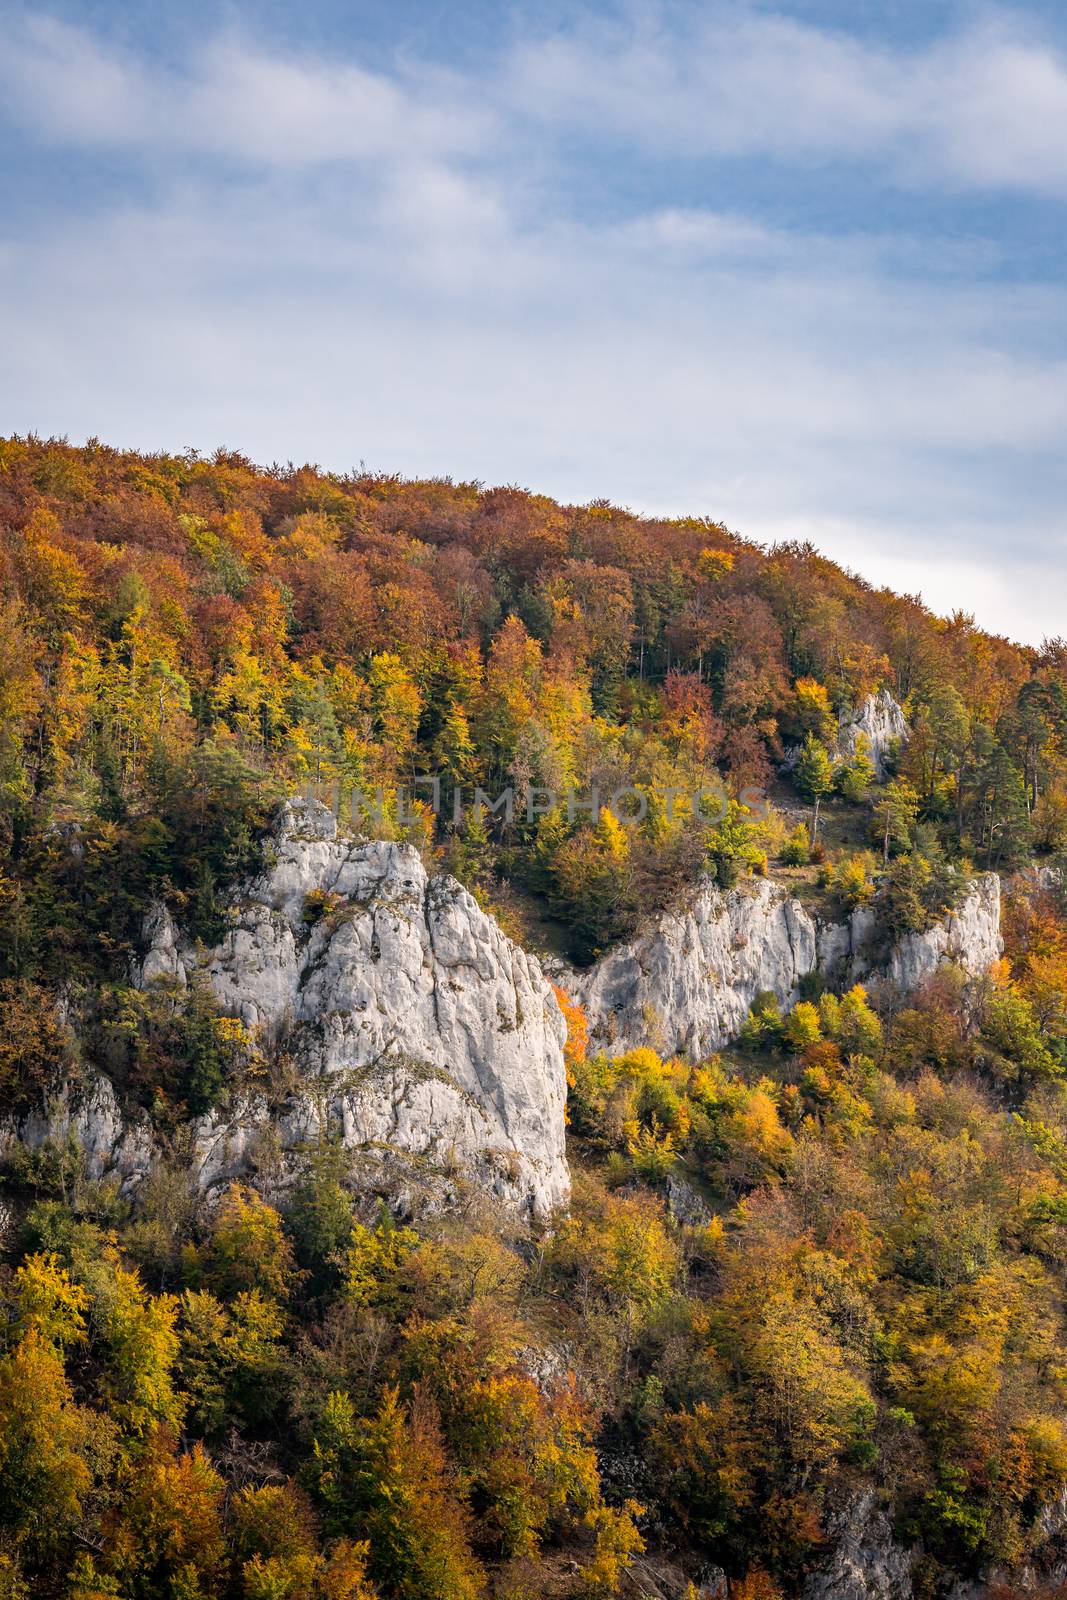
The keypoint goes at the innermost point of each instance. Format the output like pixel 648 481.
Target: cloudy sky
pixel 799 266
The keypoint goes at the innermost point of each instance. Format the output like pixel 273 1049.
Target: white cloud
pixel 731 84
pixel 985 108
pixel 64 86
pixel 233 101
pixel 374 266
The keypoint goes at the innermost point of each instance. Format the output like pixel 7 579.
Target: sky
pixel 800 267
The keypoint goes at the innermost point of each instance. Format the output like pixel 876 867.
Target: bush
pixel 850 881
pixel 796 850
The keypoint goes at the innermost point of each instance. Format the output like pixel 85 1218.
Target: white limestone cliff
pixel 687 983
pixel 419 1034
pixel 865 1561
pixel 418 1030
pixel 881 721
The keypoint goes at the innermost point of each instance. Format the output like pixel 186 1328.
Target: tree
pixel 455 745
pixel 618 1251
pixel 169 1538
pixel 814 777
pixel 45 1447
pixel 895 811
pixel 801 1027
pixel 858 1029
pixel 50 1304
pixel 805 1384
pixel 35 1049
pixel 1016 1043
pixel 901 901
pixel 592 880
pixel 20 691
pixel 811 710
pixel 855 774
pixel 732 845
pixel 320 1219
pixel 526 1455
pixel 142 1347
pixel 396 706
pixel 592 610
pixel 385 1478
pixel 274 1538
pixel 248 1249
pixel 708 1463
pixel 796 849
pixel 1004 817
pixel 232 1363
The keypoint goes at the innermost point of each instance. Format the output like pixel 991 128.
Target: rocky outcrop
pixel 416 1032
pixel 416 1028
pixel 866 1561
pixel 969 938
pixel 112 1144
pixel 881 721
pixel 688 982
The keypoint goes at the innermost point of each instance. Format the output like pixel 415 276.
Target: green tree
pixel 320 1219
pixel 232 1363
pixel 854 775
pixel 385 1478
pixel 814 777
pixel 893 817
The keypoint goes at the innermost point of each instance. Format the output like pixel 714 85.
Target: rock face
pixel 417 1029
pixel 419 1034
pixel 867 1563
pixel 112 1145
pixel 881 720
pixel 970 937
pixel 687 984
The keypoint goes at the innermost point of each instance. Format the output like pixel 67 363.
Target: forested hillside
pixel 817 1273
pixel 186 639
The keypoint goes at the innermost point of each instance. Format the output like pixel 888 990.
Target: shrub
pixel 796 850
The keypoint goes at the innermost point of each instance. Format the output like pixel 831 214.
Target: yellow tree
pixel 396 706
pixel 45 1443
pixel 20 693
pixel 142 1348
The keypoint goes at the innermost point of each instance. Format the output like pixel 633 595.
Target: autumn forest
pixel 321 1395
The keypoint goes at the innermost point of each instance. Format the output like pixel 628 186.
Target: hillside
pixel 187 639
pixel 302 1297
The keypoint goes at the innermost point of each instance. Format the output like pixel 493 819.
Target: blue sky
pixel 800 266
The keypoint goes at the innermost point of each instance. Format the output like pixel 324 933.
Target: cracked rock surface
pixel 418 1030
pixel 881 720
pixel 687 982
